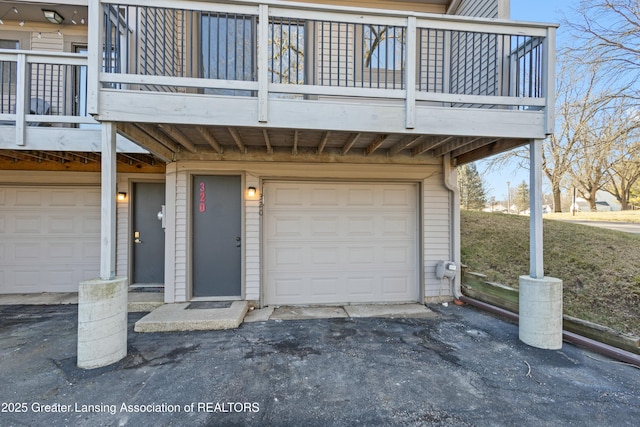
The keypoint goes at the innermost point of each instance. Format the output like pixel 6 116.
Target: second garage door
pixel 49 238
pixel 340 243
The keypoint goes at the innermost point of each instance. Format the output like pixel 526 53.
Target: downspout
pixel 453 7
pixel 454 211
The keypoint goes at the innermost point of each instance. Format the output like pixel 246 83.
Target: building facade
pixel 275 152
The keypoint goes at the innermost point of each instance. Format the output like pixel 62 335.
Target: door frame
pixel 420 274
pixel 190 190
pixel 128 187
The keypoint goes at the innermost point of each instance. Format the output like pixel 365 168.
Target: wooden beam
pixel 267 142
pixel 472 146
pixel 404 143
pixel 452 145
pixel 137 158
pixel 294 150
pixel 238 140
pixel 496 147
pixel 430 144
pixel 323 142
pixel 352 140
pixel 158 149
pixel 174 133
pixel 160 137
pixel 211 140
pixel 380 139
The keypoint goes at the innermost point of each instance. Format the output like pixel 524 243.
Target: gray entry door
pixel 148 234
pixel 216 236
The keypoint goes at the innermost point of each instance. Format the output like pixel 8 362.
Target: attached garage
pixel 50 237
pixel 340 242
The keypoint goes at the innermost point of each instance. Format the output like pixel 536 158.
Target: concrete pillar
pixel 541 312
pixel 102 322
pixel 102 303
pixel 540 296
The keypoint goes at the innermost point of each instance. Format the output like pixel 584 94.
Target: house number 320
pixel 203 198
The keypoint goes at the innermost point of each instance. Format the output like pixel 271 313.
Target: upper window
pixel 384 47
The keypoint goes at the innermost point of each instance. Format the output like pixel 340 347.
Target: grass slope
pixel 600 268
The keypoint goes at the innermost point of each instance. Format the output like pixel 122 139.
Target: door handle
pixel 136 237
pixel 238 239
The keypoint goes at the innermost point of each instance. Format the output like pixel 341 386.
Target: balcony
pixel 219 81
pixel 43 111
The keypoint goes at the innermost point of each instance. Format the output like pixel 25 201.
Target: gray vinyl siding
pixel 479 8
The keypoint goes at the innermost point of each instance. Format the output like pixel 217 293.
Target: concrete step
pixel 145 302
pixel 178 317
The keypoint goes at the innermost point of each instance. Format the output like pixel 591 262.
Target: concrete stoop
pixel 145 302
pixel 177 317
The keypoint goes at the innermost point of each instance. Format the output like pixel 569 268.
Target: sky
pixel 549 11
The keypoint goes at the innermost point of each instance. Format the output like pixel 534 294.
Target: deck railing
pixel 43 89
pixel 304 51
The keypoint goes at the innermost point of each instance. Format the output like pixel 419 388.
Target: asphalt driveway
pixel 463 367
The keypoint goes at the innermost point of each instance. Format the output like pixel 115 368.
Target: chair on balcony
pixel 39 107
pixel 36 106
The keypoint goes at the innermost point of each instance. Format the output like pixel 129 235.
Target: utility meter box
pixel 446 269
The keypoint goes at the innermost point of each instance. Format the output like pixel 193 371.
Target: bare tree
pixel 624 173
pixel 603 147
pixel 608 32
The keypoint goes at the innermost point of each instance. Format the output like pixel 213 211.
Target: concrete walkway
pixel 625 227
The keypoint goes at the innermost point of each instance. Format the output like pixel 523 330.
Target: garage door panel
pixel 50 238
pixel 360 197
pixel 361 255
pixel 64 198
pixel 361 287
pixel 324 286
pixel 28 198
pixel 27 224
pixel 325 256
pixel 360 250
pixel 287 196
pixel 324 197
pixel 397 197
pixel 61 224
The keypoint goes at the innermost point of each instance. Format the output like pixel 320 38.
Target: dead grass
pixel 619 216
pixel 600 268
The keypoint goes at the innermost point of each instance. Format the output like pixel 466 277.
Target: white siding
pixel 252 241
pixel 436 235
pixel 182 227
pixel 122 229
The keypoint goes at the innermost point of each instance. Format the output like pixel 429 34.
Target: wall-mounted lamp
pixel 122 196
pixel 251 192
pixel 53 16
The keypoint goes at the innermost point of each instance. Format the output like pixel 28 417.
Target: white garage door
pixel 331 243
pixel 49 238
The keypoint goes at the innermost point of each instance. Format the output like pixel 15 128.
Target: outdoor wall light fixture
pixel 122 196
pixel 251 192
pixel 53 16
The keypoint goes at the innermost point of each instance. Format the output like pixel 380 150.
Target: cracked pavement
pixel 462 367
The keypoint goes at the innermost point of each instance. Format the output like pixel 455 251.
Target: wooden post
pixel 263 63
pixel 548 79
pixel 108 203
pixel 535 209
pixel 410 83
pixel 94 54
pixel 21 97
